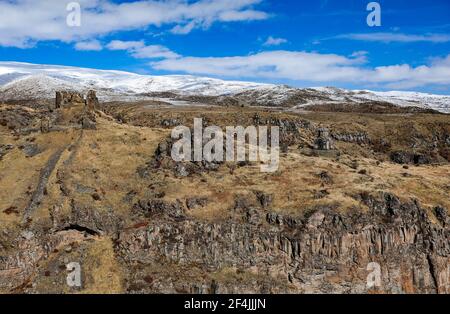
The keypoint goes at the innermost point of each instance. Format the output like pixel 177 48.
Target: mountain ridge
pixel 19 80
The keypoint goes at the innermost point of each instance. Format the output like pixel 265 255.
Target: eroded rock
pixel 309 252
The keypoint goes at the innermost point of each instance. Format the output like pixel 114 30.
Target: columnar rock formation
pixel 322 252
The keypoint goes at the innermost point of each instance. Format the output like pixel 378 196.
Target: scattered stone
pixel 11 210
pixel 170 123
pixel 30 150
pixel 88 124
pixel 4 149
pixel 209 166
pixel 354 164
pixel 325 177
pixel 264 199
pixel 83 189
pixel 180 170
pixel 28 235
pixel 321 194
pixel 143 171
pixel 96 197
pixel 195 202
pixel 441 214
pixel 129 197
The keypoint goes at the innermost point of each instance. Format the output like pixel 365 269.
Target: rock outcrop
pixel 402 157
pixel 4 149
pixel 323 252
pixel 357 137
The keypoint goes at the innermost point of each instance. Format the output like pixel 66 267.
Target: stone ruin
pixel 91 100
pixel 64 98
pixel 86 118
pixel 323 140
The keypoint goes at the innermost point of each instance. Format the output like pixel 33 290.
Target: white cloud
pixel 184 29
pixel 140 50
pixel 273 41
pixel 311 67
pixel 293 65
pixel 93 45
pixel 125 45
pixel 154 51
pixel 245 15
pixel 397 37
pixel 405 76
pixel 25 22
pixel 359 53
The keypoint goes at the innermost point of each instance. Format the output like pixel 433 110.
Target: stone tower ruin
pixel 323 140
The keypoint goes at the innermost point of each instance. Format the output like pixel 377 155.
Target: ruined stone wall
pixel 67 97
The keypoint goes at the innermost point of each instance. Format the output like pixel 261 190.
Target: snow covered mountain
pixel 398 98
pixel 32 81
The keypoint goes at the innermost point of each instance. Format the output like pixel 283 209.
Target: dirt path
pixel 45 174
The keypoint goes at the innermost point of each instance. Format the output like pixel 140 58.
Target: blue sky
pixel 301 43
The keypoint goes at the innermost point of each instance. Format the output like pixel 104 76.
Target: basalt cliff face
pixel 323 253
pixel 256 251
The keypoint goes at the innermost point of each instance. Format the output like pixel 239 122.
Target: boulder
pixel 88 124
pixel 4 149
